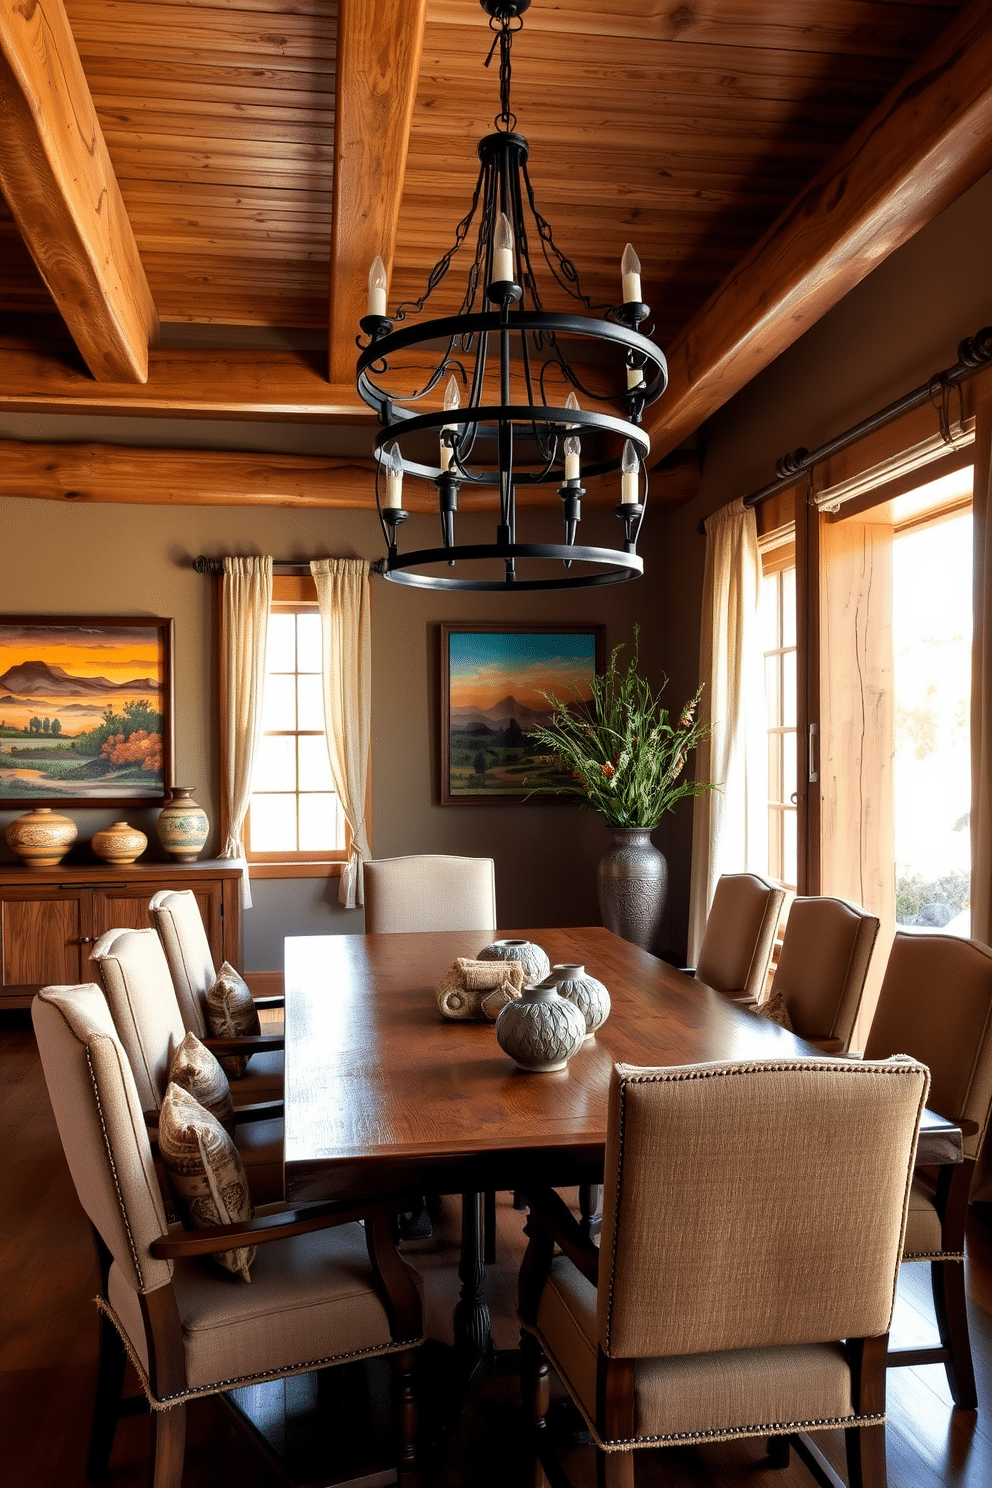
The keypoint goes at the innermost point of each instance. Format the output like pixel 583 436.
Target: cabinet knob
pixel 86 939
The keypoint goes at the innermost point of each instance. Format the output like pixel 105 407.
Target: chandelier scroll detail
pixel 516 396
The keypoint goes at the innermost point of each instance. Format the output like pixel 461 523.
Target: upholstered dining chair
pixel 176 916
pixel 323 1289
pixel 708 1312
pixel 429 892
pixel 145 1010
pixel 739 938
pixel 821 971
pixel 936 1004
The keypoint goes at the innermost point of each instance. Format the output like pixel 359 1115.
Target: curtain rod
pixel 204 565
pixel 974 353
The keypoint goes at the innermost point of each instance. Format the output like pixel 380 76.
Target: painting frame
pixel 593 637
pixel 151 638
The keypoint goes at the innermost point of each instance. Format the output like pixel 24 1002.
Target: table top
pixel 384 1096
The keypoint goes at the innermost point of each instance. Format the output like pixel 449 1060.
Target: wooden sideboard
pixel 49 918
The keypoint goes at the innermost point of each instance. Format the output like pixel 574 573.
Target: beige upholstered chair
pixel 176 916
pixel 936 1004
pixel 707 1313
pixel 430 893
pixel 822 967
pixel 143 1004
pixel 322 1292
pixel 740 934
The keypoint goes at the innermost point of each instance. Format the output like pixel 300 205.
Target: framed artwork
pixel 85 710
pixel 493 684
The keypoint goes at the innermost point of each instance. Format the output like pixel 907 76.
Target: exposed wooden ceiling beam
pixel 925 144
pixel 60 185
pixel 379 43
pixel 167 477
pixel 285 385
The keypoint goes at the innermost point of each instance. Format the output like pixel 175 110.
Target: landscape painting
pixel 85 710
pixel 494 681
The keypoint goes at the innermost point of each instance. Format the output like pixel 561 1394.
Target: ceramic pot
pixel 183 826
pixel 42 837
pixel 119 843
pixel 633 886
pixel 542 1031
pixel 589 996
pixel 534 961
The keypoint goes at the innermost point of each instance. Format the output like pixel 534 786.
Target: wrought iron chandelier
pixel 504 363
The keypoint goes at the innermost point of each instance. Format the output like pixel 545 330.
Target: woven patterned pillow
pixel 198 1072
pixel 776 1011
pixel 205 1172
pixel 231 1013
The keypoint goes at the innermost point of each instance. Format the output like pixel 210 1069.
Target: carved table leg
pixel 472 1314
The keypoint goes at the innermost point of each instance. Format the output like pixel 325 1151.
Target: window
pixel 778 627
pixel 294 817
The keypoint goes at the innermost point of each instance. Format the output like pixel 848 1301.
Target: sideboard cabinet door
pixel 45 937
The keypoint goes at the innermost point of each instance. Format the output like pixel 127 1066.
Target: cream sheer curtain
pixel 730 826
pixel 247 596
pixel 346 627
pixel 981 676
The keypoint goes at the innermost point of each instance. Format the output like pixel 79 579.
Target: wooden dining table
pixel 384 1098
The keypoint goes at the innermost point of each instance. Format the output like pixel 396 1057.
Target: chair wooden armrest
pixel 549 1210
pixel 258 1111
pixel 246 1043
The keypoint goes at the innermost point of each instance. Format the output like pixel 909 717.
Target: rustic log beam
pixel 379 43
pixel 927 142
pixel 179 477
pixel 286 385
pixel 60 185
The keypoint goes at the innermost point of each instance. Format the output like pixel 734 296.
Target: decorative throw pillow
pixel 231 1013
pixel 205 1171
pixel 198 1072
pixel 776 1011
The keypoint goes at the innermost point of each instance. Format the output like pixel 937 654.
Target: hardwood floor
pixel 48 1352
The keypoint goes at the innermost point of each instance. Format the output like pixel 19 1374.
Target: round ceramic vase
pixel 589 996
pixel 42 837
pixel 183 826
pixel 534 961
pixel 119 843
pixel 542 1031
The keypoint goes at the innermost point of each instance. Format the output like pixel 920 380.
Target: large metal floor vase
pixel 633 886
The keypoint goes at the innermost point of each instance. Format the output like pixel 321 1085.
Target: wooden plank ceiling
pixel 688 129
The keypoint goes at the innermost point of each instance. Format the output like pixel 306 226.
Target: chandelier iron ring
pixel 615 566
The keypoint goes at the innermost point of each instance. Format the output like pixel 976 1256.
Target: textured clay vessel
pixel 42 837
pixel 542 1031
pixel 119 843
pixel 183 826
pixel 533 960
pixel 633 886
pixel 589 996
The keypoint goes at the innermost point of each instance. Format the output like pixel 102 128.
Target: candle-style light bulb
pixel 573 448
pixel 377 287
pixel 394 477
pixel 502 250
pixel 635 378
pixel 452 399
pixel 629 467
pixel 572 403
pixel 630 268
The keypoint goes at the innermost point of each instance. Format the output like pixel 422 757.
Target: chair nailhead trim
pixel 113 1169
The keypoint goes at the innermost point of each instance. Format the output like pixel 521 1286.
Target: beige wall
pixel 901 324
pixel 118 560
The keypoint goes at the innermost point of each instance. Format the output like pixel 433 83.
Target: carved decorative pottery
pixel 42 837
pixel 119 843
pixel 542 1031
pixel 589 996
pixel 533 960
pixel 183 826
pixel 633 886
